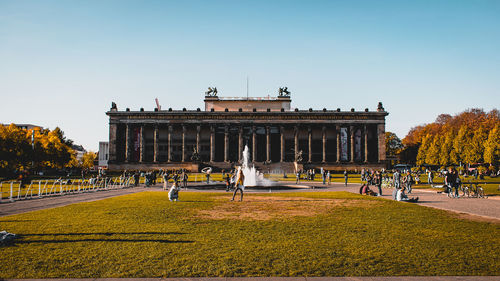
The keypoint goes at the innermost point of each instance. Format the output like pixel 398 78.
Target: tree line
pixel 469 137
pixel 36 149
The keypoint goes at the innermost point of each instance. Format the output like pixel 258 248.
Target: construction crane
pixel 158 104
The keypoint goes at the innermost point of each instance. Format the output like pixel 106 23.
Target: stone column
pixel 309 135
pixel 282 144
pixel 365 130
pixel 324 143
pixel 351 129
pixel 254 145
pixel 226 144
pixel 183 156
pixel 296 140
pixel 169 144
pixel 128 149
pixel 381 142
pixel 268 144
pixel 198 129
pixel 142 145
pixel 212 143
pixel 156 138
pixel 113 133
pixel 240 144
pixel 337 132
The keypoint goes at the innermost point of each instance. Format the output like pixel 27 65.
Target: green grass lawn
pixel 287 234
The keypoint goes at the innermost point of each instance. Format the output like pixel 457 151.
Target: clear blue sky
pixel 62 63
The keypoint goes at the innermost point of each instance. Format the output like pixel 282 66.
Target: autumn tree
pixel 468 137
pixel 50 149
pixel 492 146
pixel 88 159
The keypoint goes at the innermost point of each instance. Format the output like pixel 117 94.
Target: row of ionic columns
pixel 128 144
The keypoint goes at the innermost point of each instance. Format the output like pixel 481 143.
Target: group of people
pixel 403 180
pixel 310 174
pixel 452 183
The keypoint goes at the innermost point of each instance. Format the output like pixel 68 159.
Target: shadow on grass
pixel 101 240
pixel 103 233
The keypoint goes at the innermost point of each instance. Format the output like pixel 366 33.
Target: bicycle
pixel 474 190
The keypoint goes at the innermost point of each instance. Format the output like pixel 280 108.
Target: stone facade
pixel 274 134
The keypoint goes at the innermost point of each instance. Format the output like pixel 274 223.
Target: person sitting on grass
pixel 365 190
pixel 173 193
pixel 401 196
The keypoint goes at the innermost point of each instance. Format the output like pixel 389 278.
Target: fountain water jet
pixel 252 176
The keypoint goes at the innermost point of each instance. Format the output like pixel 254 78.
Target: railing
pixel 11 191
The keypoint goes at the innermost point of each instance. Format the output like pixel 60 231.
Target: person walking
pixel 323 176
pixel 329 177
pixel 297 177
pixel 430 178
pixel 239 185
pixel 184 179
pixel 346 177
pixel 448 182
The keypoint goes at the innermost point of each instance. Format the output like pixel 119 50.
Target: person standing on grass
pixel 378 182
pixel 297 177
pixel 329 177
pixel 396 179
pixel 239 185
pixel 323 176
pixel 346 177
pixel 430 178
pixel 184 179
pixel 408 180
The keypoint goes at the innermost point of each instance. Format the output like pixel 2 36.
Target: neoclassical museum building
pixel 276 136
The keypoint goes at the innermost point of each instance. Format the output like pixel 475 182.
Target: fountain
pixel 252 176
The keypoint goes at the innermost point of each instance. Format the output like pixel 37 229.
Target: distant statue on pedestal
pixel 283 92
pixel 113 106
pixel 196 156
pixel 298 156
pixel 380 107
pixel 212 92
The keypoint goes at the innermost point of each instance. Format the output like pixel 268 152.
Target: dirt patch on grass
pixel 268 207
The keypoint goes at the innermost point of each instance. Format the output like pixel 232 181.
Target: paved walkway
pixel 481 209
pixel 398 278
pixel 28 205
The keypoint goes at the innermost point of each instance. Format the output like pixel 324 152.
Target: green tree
pixel 393 144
